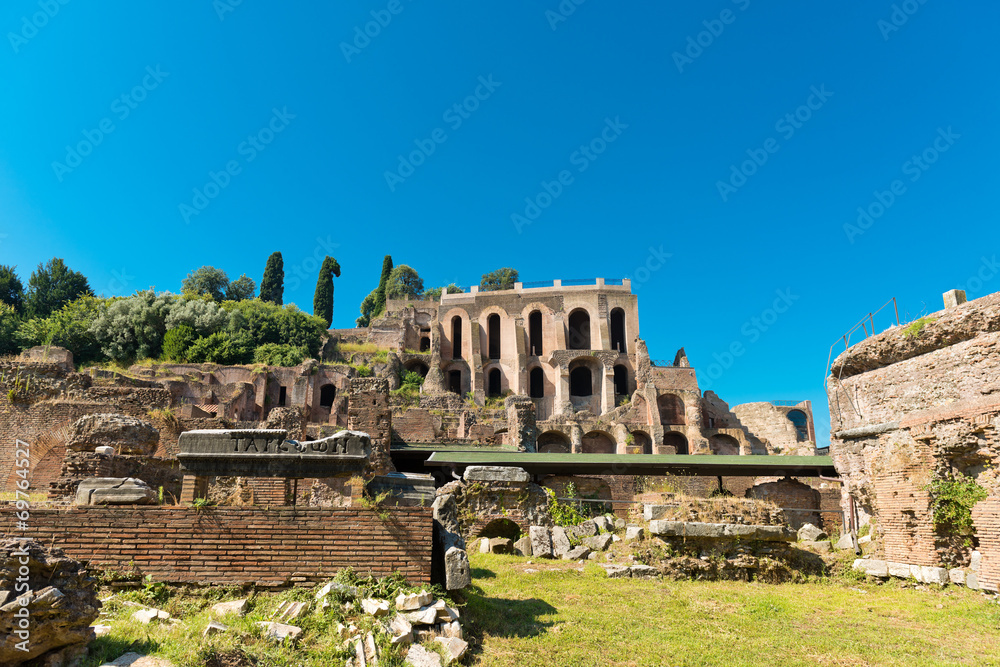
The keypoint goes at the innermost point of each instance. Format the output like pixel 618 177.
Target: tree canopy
pixel 404 283
pixel 323 297
pixel 500 279
pixel 241 289
pixel 11 288
pixel 207 280
pixel 272 285
pixel 52 285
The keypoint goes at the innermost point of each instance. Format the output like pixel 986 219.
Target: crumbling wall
pixel 800 501
pixel 770 424
pixel 368 411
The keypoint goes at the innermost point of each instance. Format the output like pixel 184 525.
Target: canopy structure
pixel 640 464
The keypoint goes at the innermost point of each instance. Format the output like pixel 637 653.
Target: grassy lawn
pixel 562 616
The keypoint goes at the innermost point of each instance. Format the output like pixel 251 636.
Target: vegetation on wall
pixel 913 329
pixel 500 279
pixel 952 500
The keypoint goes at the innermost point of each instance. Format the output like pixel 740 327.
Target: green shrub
pixel 563 514
pixel 133 328
pixel 914 328
pixel 67 327
pixel 952 501
pixel 412 381
pixel 177 341
pixel 265 322
pixel 274 354
pixel 9 323
pixel 363 370
pixel 222 348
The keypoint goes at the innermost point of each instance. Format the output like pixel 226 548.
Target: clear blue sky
pixel 887 92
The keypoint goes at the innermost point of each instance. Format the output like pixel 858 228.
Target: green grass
pixel 562 616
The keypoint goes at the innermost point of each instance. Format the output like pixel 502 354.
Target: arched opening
pixel 327 394
pixel 553 442
pixel 598 442
pixel 455 382
pixel 493 390
pixel 417 366
pixel 425 344
pixel 618 330
pixel 579 330
pixel 581 382
pixel 677 441
pixel 725 445
pixel 642 442
pixel 456 337
pixel 801 423
pixel 536 383
pixel 621 381
pixel 493 335
pixel 671 409
pixel 535 333
pixel 501 528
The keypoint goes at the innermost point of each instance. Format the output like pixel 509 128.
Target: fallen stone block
pixel 453 629
pixel 418 656
pixel 845 542
pixel 604 524
pixel 585 529
pixel 413 601
pixel 634 533
pixel 820 546
pixel 972 581
pixel 279 631
pixel 147 616
pixel 424 616
pixel 655 512
pixel 235 607
pixel 454 648
pixel 496 474
pixel 598 542
pixel 344 591
pixel 484 545
pixel 901 570
pixel 541 541
pixel 620 524
pixel 957 576
pixel 523 546
pixel 810 533
pixel 374 607
pixel 458 573
pixel 501 545
pixel 115 491
pixel 975 561
pixel 214 628
pixel 935 575
pixel 872 567
pixel 444 612
pixel 644 572
pixel 615 571
pixel 577 553
pixel 560 542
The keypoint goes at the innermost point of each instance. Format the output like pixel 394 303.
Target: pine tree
pixel 323 298
pixel 272 286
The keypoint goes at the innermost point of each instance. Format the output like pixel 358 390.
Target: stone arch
pixel 598 442
pixel 327 395
pixel 724 445
pixel 801 423
pixel 494 382
pixel 456 378
pixel 671 409
pixel 417 366
pixel 618 336
pixel 536 382
pixel 677 441
pixel 622 380
pixel 501 528
pixel 642 442
pixel 553 442
pixel 493 336
pixel 536 344
pixel 578 330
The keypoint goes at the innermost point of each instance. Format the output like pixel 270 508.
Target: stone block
pixel 501 545
pixel 454 648
pixel 976 561
pixel 845 542
pixel 457 572
pixel 620 524
pixel 820 546
pixel 114 491
pixel 484 545
pixel 147 616
pixel 655 512
pixel 957 576
pixel 917 572
pixel 633 533
pixel 617 571
pixel 598 542
pixel 523 546
pixel 644 572
pixel 935 575
pixel 279 632
pixel 604 524
pixel 901 570
pixel 374 607
pixel 105 450
pixel 235 607
pixel 496 474
pixel 810 533
pixel 541 541
pixel 560 542
pixel 954 297
pixel 972 581
pixel 412 601
pixel 418 656
pixel 872 567
pixel 422 616
pixel 120 432
pixel 577 553
pixel 585 529
pixel 214 628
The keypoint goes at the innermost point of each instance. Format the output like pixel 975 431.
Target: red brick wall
pixel 240 545
pixel 986 517
pixel 903 515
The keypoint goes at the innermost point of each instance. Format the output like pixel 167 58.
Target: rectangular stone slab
pixel 268 453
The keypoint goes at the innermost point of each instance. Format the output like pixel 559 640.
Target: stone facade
pixel 916 404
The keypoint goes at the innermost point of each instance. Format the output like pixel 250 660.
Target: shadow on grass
pixel 108 648
pixel 507 618
pixel 483 573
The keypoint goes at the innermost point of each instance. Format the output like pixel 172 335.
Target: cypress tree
pixel 272 286
pixel 323 298
pixel 380 290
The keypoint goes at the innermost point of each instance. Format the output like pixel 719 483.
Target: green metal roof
pixel 641 464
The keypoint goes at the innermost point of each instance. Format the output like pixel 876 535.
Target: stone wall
pixel 369 411
pixel 240 546
pixel 790 495
pixel 986 517
pixel 770 425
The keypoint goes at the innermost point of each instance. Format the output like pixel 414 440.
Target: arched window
pixel 535 333
pixel 536 383
pixel 597 442
pixel 621 380
pixel 425 344
pixel 677 441
pixel 579 330
pixel 725 445
pixel 581 382
pixel 642 442
pixel 493 335
pixel 553 442
pixel 416 366
pixel 671 410
pixel 456 337
pixel 327 394
pixel 618 330
pixel 801 422
pixel 494 383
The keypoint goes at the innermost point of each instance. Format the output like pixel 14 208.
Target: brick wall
pixel 266 547
pixel 986 518
pixel 791 495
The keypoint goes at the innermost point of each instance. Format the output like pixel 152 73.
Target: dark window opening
pixel 456 337
pixel 327 394
pixel 581 382
pixel 618 330
pixel 494 383
pixel 621 380
pixel 493 335
pixel 455 382
pixel 801 423
pixel 282 396
pixel 535 333
pixel 671 409
pixel 579 330
pixel 677 441
pixel 536 384
pixel 425 344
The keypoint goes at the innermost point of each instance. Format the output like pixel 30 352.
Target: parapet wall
pixel 239 546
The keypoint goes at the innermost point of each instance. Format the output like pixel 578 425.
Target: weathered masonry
pixel 915 410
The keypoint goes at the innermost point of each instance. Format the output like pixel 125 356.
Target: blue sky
pixel 648 112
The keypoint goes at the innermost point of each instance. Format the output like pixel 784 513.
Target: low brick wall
pixel 266 547
pixel 986 518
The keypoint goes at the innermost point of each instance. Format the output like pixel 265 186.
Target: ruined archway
pixel 724 445
pixel 501 528
pixel 578 337
pixel 801 423
pixel 327 395
pixel 553 442
pixel 671 409
pixel 493 335
pixel 417 366
pixel 598 442
pixel 677 441
pixel 494 383
pixel 642 442
pixel 621 381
